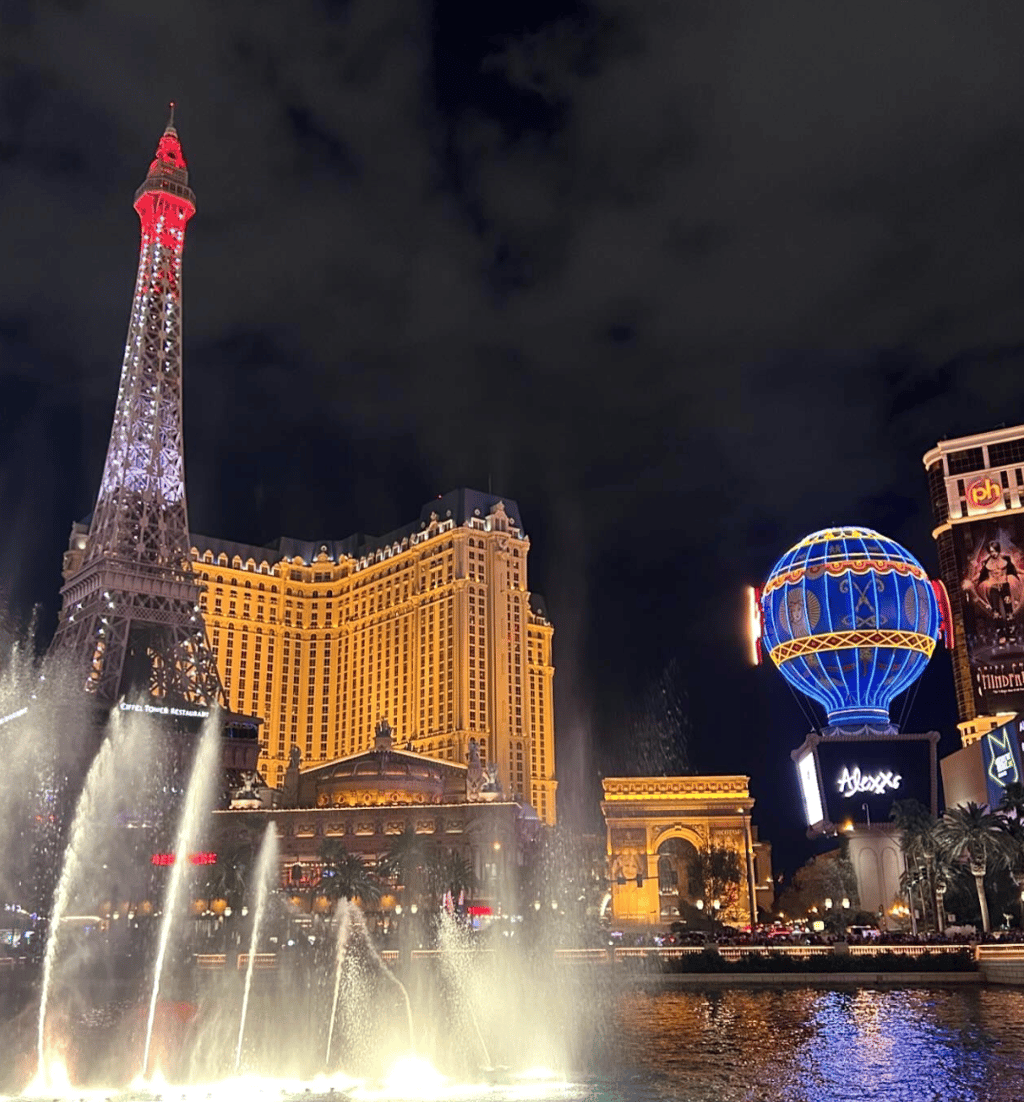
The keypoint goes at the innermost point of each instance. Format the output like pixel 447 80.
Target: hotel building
pixel 976 486
pixel 432 627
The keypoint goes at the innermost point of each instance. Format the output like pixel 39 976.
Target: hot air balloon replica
pixel 850 618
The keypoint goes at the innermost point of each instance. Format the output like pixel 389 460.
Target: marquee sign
pixel 852 782
pixel 165 710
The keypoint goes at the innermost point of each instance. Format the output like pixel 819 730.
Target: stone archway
pixel 674 860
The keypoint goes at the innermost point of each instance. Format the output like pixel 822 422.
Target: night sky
pixel 686 280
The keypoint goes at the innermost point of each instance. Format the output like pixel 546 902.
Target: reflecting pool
pixel 621 1044
pixel 806 1045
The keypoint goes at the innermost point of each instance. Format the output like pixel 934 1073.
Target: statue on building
pixel 247 796
pixel 290 795
pixel 474 773
pixel 491 789
pixel 383 735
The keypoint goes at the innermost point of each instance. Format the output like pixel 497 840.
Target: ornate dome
pixel 851 619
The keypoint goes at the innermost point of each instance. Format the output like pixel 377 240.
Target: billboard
pixel 1001 757
pixel 856 779
pixel 990 569
pixel 810 789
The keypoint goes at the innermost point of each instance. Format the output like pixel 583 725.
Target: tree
pixel 927 866
pixel 228 877
pixel 826 876
pixel 716 875
pixel 345 875
pixel 409 862
pixel 1012 803
pixel 976 837
pixel 449 871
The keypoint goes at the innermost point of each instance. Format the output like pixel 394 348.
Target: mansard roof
pixel 458 506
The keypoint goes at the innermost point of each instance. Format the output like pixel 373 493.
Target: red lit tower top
pixel 164 201
pixel 130 611
pixel 140 511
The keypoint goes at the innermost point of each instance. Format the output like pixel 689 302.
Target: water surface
pixel 806 1045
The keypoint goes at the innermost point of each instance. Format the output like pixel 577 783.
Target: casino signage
pixel 990 567
pixel 854 779
pixel 1001 756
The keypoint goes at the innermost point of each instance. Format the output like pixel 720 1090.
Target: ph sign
pixel 984 495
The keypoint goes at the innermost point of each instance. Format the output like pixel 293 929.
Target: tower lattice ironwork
pixel 130 615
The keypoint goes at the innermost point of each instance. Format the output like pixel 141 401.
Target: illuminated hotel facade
pixel 431 627
pixel 976 486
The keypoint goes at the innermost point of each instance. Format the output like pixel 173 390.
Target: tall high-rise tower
pixel 976 485
pixel 130 615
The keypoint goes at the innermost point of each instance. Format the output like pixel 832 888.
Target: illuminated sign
pixel 990 567
pixel 857 778
pixel 754 627
pixel 1002 758
pixel 852 782
pixel 163 710
pixel 194 858
pixel 983 494
pixel 809 788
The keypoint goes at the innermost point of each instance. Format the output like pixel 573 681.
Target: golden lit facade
pixel 432 627
pixel 655 828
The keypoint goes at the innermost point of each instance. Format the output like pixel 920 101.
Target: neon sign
pixel 194 858
pixel 983 493
pixel 1002 762
pixel 851 782
pixel 163 710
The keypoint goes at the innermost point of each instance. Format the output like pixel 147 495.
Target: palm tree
pixel 450 872
pixel 345 875
pixel 228 877
pixel 926 864
pixel 974 836
pixel 406 862
pixel 1012 802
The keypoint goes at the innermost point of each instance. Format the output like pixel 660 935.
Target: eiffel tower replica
pixel 130 625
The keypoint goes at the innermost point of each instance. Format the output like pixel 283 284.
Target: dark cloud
pixel 685 279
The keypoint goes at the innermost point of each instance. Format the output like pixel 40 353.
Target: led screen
pixel 990 568
pixel 861 778
pixel 809 789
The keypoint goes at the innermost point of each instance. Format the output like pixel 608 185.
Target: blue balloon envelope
pixel 850 619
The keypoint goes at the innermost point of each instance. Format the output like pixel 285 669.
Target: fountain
pixel 198 801
pixel 85 815
pixel 124 1005
pixel 266 868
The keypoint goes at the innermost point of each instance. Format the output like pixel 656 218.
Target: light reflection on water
pixel 718 1045
pixel 809 1045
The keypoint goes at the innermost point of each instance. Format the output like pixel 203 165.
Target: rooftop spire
pixel 170 121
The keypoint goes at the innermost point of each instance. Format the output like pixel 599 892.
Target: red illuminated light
pixel 194 858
